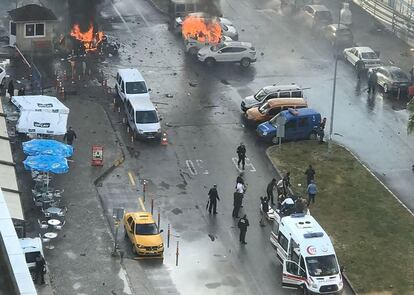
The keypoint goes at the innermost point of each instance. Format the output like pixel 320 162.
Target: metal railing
pixel 400 24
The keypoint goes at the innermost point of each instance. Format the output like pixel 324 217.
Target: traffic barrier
pixel 164 139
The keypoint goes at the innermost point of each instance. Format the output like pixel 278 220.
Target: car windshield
pixel 146 229
pixel 224 27
pixel 217 47
pixel 322 266
pixel 264 108
pixel 399 75
pixel 324 15
pixel 273 121
pixel 260 95
pixel 369 55
pixel 146 117
pixel 136 87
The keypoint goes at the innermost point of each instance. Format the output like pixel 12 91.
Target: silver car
pixel 391 78
pixel 268 92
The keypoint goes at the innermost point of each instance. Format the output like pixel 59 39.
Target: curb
pixel 279 174
pixel 156 7
pixel 115 164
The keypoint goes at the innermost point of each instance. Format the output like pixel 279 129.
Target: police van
pixel 307 255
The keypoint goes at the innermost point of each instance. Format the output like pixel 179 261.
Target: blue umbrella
pixel 51 147
pixel 46 163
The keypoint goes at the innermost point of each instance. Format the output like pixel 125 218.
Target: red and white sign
pixel 311 250
pixel 97 155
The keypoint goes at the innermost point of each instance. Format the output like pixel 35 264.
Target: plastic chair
pixel 60 227
pixel 43 224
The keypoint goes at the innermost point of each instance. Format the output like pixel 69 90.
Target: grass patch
pixel 372 233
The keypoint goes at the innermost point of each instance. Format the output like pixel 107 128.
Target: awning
pixel 42 123
pixel 39 103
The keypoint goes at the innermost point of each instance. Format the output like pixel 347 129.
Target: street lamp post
pixel 334 85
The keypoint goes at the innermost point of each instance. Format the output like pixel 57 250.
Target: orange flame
pixel 202 29
pixel 89 39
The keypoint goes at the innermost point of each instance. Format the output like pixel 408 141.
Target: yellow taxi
pixel 143 233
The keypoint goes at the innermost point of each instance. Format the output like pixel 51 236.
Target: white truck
pixel 32 247
pixel 306 253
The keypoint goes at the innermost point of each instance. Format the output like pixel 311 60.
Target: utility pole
pixel 334 85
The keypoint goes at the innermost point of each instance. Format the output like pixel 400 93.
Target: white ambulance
pixel 307 254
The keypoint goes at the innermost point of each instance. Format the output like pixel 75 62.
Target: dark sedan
pixel 341 37
pixel 391 78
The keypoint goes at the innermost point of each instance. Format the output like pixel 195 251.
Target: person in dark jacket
pixel 40 269
pixel 286 183
pixel 69 136
pixel 21 91
pixel 10 89
pixel 372 82
pixel 269 191
pixel 239 179
pixel 310 174
pixel 243 224
pixel 265 208
pixel 237 202
pixel 359 67
pixel 213 197
pixel 241 153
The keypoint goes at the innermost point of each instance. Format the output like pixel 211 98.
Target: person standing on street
pixel 311 190
pixel 240 189
pixel 310 174
pixel 269 191
pixel 213 197
pixel 321 130
pixel 359 67
pixel 237 202
pixel 10 89
pixel 286 183
pixel 21 91
pixel 239 179
pixel 243 224
pixel 265 208
pixel 40 269
pixel 69 136
pixel 372 81
pixel 241 153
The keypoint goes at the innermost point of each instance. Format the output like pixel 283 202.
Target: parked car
pixel 229 31
pixel 368 56
pixel 391 78
pixel 268 92
pixel 2 77
pixel 143 234
pixel 192 46
pixel 273 107
pixel 236 52
pixel 316 16
pixel 299 124
pixel 340 37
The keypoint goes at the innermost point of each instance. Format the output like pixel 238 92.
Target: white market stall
pixel 41 114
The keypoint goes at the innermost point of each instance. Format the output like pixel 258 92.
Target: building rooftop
pixel 32 12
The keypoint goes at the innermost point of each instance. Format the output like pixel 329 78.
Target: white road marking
pixel 200 165
pixel 191 167
pixel 248 163
pixel 122 19
pixel 131 178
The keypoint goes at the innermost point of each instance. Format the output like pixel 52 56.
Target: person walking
pixel 243 224
pixel 213 197
pixel 311 190
pixel 321 130
pixel 310 174
pixel 265 208
pixel 40 269
pixel 359 67
pixel 372 81
pixel 286 183
pixel 240 179
pixel 69 136
pixel 21 91
pixel 269 190
pixel 240 189
pixel 10 89
pixel 237 202
pixel 241 153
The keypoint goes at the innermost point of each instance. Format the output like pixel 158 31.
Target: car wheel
pixel 385 87
pixel 245 62
pixel 192 51
pixel 312 136
pixel 210 61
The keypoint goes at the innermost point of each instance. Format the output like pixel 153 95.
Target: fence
pixel 400 24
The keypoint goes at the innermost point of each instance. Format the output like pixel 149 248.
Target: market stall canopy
pixel 39 103
pixel 51 147
pixel 42 123
pixel 46 163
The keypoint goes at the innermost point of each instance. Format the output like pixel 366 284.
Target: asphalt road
pixel 204 127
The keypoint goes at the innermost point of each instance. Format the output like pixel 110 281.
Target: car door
pixel 239 53
pixel 353 56
pixel 293 275
pixel 122 90
pixel 291 129
pixel 381 76
pixel 128 225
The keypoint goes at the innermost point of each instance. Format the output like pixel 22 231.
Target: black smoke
pixel 83 12
pixel 212 7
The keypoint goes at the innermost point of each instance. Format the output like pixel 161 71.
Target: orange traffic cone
pixel 164 139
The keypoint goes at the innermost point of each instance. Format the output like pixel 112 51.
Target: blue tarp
pixel 46 163
pixel 50 147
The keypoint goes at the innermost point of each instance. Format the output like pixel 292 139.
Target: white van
pixel 307 254
pixel 32 247
pixel 131 85
pixel 143 119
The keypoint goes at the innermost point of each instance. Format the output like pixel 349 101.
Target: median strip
pixel 372 232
